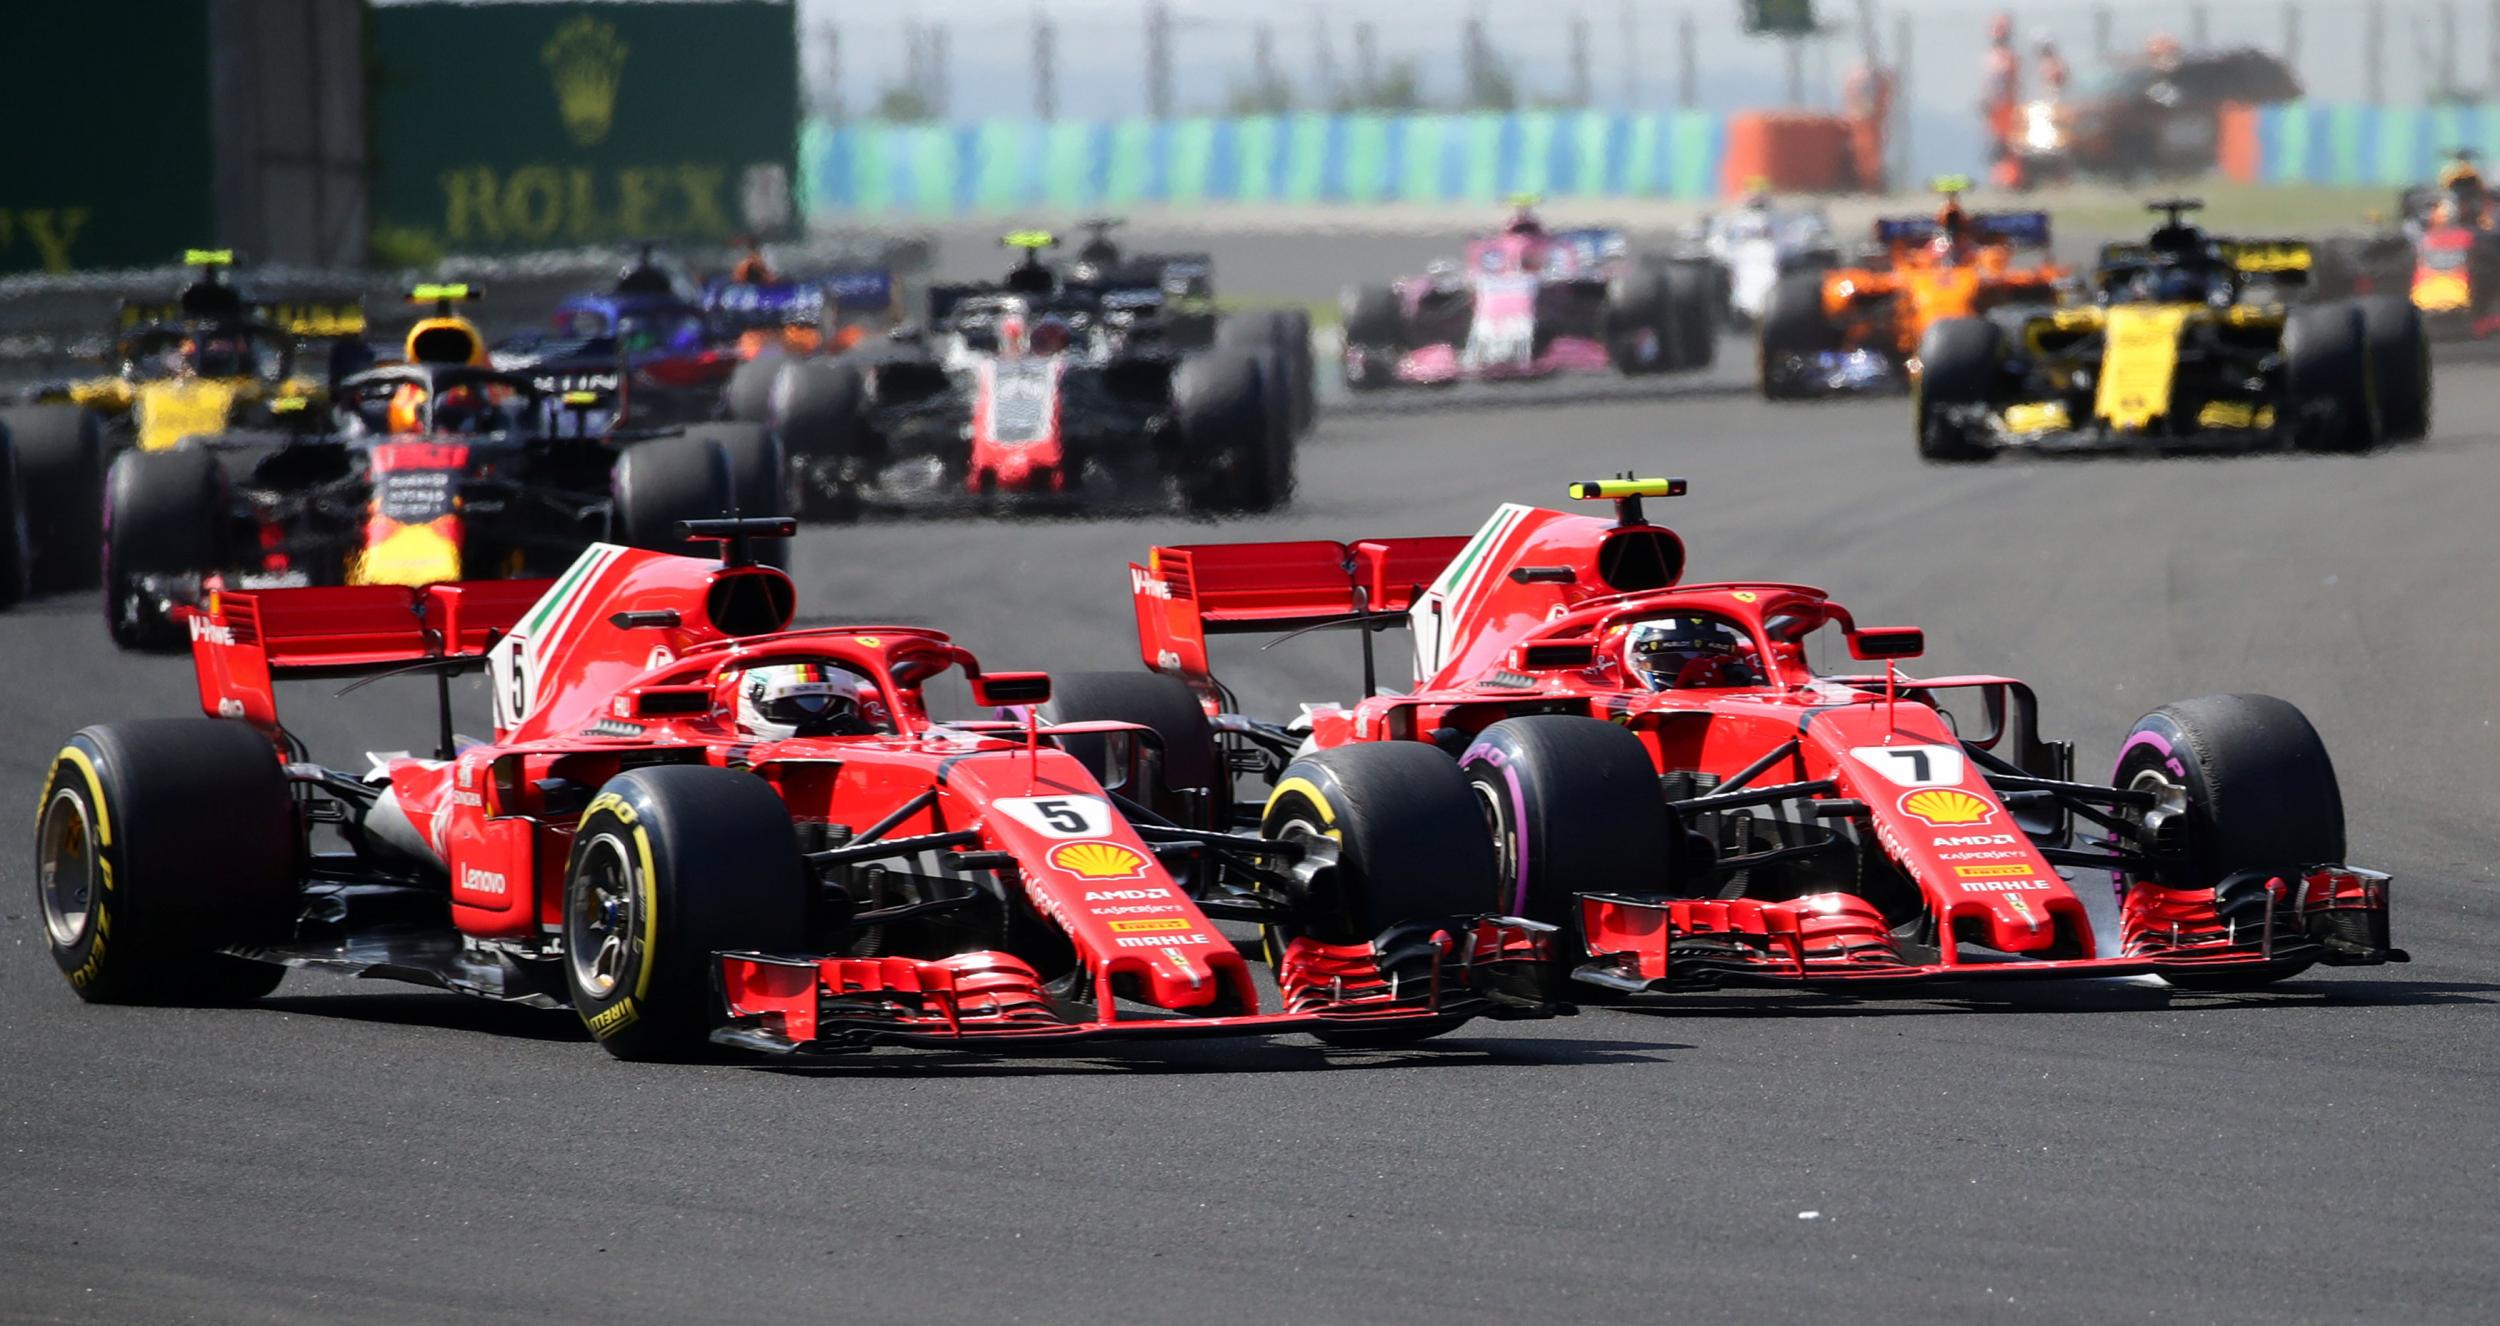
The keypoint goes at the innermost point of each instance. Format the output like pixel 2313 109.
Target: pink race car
pixel 1530 302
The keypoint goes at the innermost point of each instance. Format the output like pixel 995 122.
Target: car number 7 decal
pixel 1912 766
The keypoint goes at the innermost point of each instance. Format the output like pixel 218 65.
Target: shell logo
pixel 1946 808
pixel 1099 860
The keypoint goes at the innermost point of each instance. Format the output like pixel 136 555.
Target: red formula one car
pixel 1668 779
pixel 699 828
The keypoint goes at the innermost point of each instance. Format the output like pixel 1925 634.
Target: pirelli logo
pixel 1158 924
pixel 1991 872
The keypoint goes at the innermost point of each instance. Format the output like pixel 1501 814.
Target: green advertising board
pixel 527 126
pixel 108 162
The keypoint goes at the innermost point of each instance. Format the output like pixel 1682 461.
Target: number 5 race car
pixel 698 828
pixel 1666 778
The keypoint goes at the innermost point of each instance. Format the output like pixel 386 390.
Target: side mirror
pixel 1002 690
pixel 1873 642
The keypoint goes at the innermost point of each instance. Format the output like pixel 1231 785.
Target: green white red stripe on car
pixel 1462 585
pixel 517 661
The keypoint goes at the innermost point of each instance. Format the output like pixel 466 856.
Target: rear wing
pixel 2021 230
pixel 1185 594
pixel 312 317
pixel 243 642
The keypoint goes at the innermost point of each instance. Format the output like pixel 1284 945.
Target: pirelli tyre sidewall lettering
pixel 73 814
pixel 1299 809
pixel 613 838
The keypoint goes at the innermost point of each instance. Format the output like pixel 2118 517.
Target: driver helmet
pixel 2444 212
pixel 752 269
pixel 1688 649
pixel 781 700
pixel 2172 285
pixel 1050 336
pixel 219 357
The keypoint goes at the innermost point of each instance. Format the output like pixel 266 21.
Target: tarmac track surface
pixel 359 1151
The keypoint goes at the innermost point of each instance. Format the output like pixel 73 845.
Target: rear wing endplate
pixel 1183 594
pixel 243 642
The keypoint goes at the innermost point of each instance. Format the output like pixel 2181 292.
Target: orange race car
pixel 1852 329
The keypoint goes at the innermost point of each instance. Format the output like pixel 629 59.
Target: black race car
pixel 427 474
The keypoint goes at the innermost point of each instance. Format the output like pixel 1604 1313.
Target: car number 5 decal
pixel 1059 817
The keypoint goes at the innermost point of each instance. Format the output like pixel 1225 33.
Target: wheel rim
pixel 1505 848
pixel 1319 851
pixel 67 869
pixel 600 926
pixel 2173 797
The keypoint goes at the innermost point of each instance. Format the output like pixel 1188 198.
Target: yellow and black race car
pixel 204 362
pixel 2191 342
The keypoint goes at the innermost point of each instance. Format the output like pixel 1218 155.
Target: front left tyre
pixel 159 843
pixel 671 866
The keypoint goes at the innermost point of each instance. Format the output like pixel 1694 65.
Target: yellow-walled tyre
pixel 670 867
pixel 158 843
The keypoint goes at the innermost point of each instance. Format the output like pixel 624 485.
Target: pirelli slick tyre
pixel 2260 799
pixel 1402 825
pixel 1226 456
pixel 671 866
pixel 1286 332
pixel 2400 365
pixel 1394 844
pixel 662 482
pixel 1186 776
pixel 747 398
pixel 1694 301
pixel 1643 333
pixel 17 553
pixel 757 475
pixel 165 519
pixel 817 408
pixel 1961 363
pixel 2326 379
pixel 1793 326
pixel 1374 327
pixel 60 466
pixel 159 842
pixel 1574 807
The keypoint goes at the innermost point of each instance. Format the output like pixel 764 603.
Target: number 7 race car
pixel 699 829
pixel 1666 778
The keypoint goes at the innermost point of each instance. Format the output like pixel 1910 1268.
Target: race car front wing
pixel 1412 978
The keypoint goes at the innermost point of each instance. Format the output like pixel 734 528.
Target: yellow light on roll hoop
pixel 1596 490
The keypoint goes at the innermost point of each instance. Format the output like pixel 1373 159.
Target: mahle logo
pixel 588 60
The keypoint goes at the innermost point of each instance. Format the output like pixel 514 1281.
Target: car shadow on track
pixel 437 1010
pixel 2057 998
pixel 1245 1056
pixel 1481 398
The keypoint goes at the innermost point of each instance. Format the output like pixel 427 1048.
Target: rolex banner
pixel 539 125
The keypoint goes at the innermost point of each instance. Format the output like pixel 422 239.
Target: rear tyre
pixel 165 525
pixel 1408 848
pixel 1643 334
pixel 157 843
pixel 1375 336
pixel 818 411
pixel 17 553
pixel 664 481
pixel 60 467
pixel 2326 379
pixel 671 866
pixel 1574 806
pixel 757 476
pixel 1961 363
pixel 2400 365
pixel 1793 327
pixel 1185 780
pixel 1225 455
pixel 1693 303
pixel 748 396
pixel 2261 801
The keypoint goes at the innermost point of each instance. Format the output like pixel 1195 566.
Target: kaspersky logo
pixel 587 60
